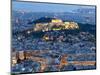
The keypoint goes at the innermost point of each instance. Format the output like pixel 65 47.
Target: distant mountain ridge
pixel 77 17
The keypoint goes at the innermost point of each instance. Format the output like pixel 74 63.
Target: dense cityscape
pixel 42 42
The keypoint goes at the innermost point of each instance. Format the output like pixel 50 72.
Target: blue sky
pixel 44 7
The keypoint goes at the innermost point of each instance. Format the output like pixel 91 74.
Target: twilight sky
pixel 46 7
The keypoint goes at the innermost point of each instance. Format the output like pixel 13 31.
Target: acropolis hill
pixel 55 24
